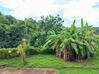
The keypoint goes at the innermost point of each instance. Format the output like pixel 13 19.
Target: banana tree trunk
pixel 68 53
pixel 80 58
pixel 58 52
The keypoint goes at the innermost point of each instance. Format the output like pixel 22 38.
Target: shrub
pixel 30 50
pixel 8 53
pixel 47 50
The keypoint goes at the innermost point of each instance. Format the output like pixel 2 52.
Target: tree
pixel 31 27
pixel 11 19
pixel 50 23
pixel 3 35
pixel 3 20
pixel 75 43
pixel 46 25
pixel 11 35
pixel 0 13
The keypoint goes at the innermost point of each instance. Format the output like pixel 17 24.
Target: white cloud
pixel 82 9
pixel 27 8
pixel 71 9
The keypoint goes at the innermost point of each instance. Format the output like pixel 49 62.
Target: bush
pixel 8 53
pixel 47 50
pixel 30 50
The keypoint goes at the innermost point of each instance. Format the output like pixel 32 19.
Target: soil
pixel 28 71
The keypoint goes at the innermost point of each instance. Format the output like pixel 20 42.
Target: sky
pixel 67 9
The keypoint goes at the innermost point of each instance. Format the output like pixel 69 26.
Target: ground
pixel 28 71
pixel 51 61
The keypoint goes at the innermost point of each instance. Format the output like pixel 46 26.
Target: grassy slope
pixel 54 62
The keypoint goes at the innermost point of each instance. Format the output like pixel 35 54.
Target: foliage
pixel 21 49
pixel 80 39
pixel 37 39
pixel 97 30
pixel 10 35
pixel 11 19
pixel 8 53
pixel 46 24
pixel 31 50
pixel 12 30
pixel 50 23
pixel 47 50
pixel 3 20
pixel 97 40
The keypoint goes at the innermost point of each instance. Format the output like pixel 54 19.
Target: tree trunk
pixel 68 53
pixel 58 51
pixel 65 55
pixel 79 57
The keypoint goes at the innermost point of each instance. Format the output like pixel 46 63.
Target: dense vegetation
pixel 13 30
pixel 46 36
pixel 74 43
pixel 97 30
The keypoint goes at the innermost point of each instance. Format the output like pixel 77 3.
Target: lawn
pixel 51 61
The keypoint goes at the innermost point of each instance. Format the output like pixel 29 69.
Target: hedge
pixel 30 50
pixel 6 53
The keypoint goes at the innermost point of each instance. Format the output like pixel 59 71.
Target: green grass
pixel 51 61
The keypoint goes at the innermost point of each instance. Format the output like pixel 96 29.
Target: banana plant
pixel 76 43
pixel 21 49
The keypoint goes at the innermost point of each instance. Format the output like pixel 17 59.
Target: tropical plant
pixel 21 49
pixel 74 43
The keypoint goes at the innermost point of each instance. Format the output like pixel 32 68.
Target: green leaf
pixel 82 22
pixel 47 43
pixel 72 39
pixel 73 27
pixel 90 48
pixel 78 41
pixel 74 21
pixel 62 49
pixel 86 43
pixel 75 47
pixel 82 50
pixel 64 43
pixel 88 53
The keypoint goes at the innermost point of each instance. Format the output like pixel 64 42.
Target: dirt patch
pixel 28 71
pixel 3 66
